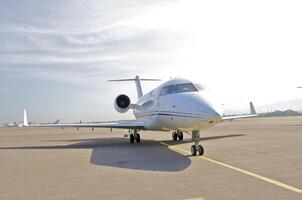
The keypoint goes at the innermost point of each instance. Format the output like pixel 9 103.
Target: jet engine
pixel 122 103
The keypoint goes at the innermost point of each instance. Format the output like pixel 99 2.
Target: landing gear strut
pixel 196 148
pixel 177 134
pixel 134 135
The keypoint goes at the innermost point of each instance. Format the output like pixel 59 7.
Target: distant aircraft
pixel 55 122
pixel 25 123
pixel 12 125
pixel 177 105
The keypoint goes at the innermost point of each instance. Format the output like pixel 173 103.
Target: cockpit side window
pixel 170 89
pixel 188 87
pixel 199 86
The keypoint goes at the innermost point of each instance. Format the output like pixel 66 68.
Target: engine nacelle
pixel 122 103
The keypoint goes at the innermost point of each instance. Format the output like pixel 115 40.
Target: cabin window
pixel 147 104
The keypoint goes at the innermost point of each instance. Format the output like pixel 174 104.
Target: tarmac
pixel 258 158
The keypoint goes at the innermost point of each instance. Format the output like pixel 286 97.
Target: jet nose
pixel 209 110
pixel 197 105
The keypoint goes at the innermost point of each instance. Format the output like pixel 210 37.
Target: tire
pixel 138 139
pixel 181 136
pixel 131 138
pixel 193 150
pixel 174 136
pixel 200 150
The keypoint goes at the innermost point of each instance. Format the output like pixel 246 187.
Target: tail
pixel 25 123
pixel 252 108
pixel 56 122
pixel 137 83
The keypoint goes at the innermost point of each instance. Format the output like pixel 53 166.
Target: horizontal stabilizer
pixel 137 81
pixel 143 79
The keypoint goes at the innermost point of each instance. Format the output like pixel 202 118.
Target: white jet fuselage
pixel 178 109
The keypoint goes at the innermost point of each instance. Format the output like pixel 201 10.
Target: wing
pixel 237 117
pixel 252 110
pixel 123 124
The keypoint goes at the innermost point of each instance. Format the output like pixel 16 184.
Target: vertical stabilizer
pixel 25 123
pixel 252 108
pixel 139 89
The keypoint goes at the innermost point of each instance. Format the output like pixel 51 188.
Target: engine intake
pixel 122 103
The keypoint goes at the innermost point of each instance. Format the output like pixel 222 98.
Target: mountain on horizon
pixel 293 105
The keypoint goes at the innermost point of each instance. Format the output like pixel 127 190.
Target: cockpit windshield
pixel 179 88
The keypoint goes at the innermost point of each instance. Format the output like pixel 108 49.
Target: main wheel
pixel 138 138
pixel 181 136
pixel 200 150
pixel 174 136
pixel 131 138
pixel 193 150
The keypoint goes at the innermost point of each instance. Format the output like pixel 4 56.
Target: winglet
pixel 252 109
pixel 25 123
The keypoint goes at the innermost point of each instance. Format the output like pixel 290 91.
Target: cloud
pixel 46 36
pixel 74 46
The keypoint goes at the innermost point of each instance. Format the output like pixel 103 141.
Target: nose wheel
pixel 196 149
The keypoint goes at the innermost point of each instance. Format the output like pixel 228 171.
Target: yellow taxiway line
pixel 269 180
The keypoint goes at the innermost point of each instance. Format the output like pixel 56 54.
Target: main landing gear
pixel 177 134
pixel 134 136
pixel 196 148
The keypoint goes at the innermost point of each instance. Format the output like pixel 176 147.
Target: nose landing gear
pixel 196 148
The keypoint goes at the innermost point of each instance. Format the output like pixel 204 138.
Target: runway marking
pixel 195 199
pixel 263 178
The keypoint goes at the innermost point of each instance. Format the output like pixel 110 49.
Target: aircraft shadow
pixel 149 155
pixel 118 152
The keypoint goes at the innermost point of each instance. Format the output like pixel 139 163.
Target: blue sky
pixel 56 55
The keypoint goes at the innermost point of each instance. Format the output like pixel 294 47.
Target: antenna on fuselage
pixel 137 83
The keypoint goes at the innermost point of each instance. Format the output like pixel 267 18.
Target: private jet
pixel 178 106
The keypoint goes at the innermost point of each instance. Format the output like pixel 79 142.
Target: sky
pixel 56 56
